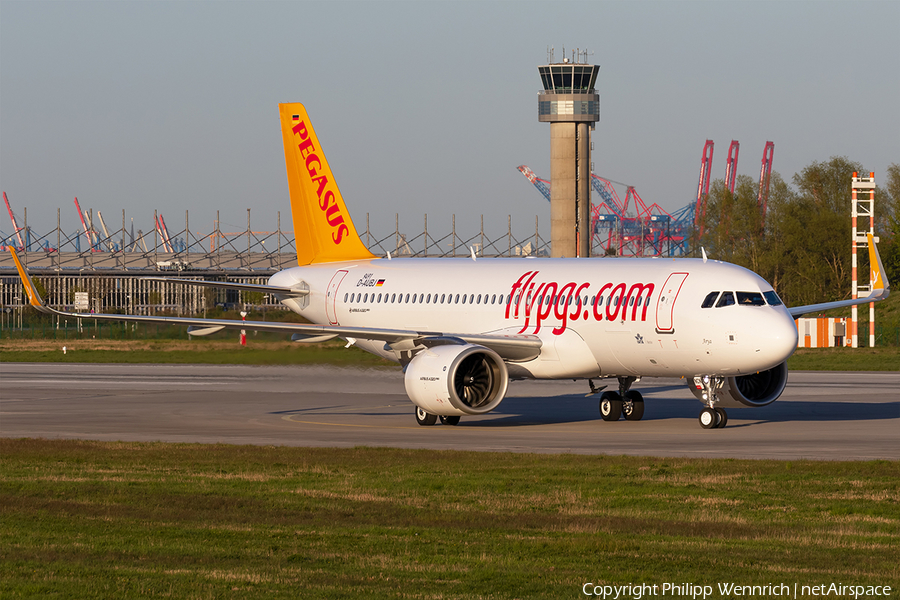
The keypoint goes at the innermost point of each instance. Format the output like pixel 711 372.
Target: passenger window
pixel 772 298
pixel 494 299
pixel 750 299
pixel 379 297
pixel 443 298
pixel 727 299
pixel 709 300
pixel 393 297
pixel 407 298
pixel 456 300
pixel 413 298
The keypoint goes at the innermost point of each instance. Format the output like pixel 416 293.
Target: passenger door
pixel 331 296
pixel 665 305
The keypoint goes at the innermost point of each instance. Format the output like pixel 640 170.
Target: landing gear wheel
pixel 634 410
pixel 709 418
pixel 723 417
pixel 449 420
pixel 425 418
pixel 610 406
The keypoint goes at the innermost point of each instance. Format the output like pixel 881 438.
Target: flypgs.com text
pixel 536 301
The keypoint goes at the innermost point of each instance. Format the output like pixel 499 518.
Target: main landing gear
pixel 625 402
pixel 711 417
pixel 427 419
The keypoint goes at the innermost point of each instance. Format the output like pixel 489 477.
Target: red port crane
pixel 12 218
pixel 731 165
pixel 87 232
pixel 703 186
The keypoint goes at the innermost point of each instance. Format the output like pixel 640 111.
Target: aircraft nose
pixel 774 339
pixel 782 336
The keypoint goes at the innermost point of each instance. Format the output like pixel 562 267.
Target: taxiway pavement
pixel 821 415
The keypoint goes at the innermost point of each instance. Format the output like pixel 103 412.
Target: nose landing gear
pixel 711 417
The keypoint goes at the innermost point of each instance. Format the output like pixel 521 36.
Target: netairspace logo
pixel 694 591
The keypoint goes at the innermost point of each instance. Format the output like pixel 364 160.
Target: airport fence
pixel 184 249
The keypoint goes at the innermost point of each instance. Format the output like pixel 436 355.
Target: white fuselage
pixel 595 317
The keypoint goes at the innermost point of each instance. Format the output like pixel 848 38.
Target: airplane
pixel 462 328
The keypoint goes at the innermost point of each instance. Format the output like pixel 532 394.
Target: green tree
pixel 814 233
pixel 734 223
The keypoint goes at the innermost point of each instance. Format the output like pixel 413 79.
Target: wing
pixel 508 345
pixel 880 288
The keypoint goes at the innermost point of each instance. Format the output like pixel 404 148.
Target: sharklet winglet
pixel 34 298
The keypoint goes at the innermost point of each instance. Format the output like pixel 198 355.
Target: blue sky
pixel 424 107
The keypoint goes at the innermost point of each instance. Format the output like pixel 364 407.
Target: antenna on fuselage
pixel 703 252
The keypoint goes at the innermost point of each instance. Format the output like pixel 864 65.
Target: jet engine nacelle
pixel 456 380
pixel 756 389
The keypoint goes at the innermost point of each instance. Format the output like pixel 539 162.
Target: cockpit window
pixel 772 298
pixel 709 300
pixel 750 299
pixel 727 299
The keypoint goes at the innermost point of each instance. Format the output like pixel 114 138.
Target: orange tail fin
pixel 323 231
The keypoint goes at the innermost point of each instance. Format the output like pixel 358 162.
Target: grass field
pixel 126 520
pixel 287 353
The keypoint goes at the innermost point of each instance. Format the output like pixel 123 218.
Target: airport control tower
pixel 571 105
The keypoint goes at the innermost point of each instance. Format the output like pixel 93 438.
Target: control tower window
pixel 557 77
pixel 582 78
pixel 545 78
